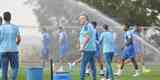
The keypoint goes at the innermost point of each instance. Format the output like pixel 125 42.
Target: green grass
pixel 153 75
pixel 128 72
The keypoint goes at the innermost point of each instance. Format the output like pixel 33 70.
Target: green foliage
pixel 132 11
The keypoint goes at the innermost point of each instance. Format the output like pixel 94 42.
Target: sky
pixel 21 14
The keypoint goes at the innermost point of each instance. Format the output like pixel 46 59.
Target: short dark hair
pixel 106 27
pixel 94 23
pixel 7 16
pixel 139 24
pixel 126 27
pixel 1 20
pixel 44 29
pixel 61 28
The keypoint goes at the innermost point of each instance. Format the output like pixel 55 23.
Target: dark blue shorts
pixel 45 53
pixel 63 51
pixel 128 52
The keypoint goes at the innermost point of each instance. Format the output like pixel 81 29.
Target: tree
pixel 132 11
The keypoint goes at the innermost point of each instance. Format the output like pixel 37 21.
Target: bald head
pixel 83 19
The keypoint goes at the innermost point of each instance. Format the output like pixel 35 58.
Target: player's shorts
pixel 45 53
pixel 128 52
pixel 62 51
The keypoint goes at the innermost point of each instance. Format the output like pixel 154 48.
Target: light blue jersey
pixel 107 41
pixel 88 30
pixel 46 44
pixel 8 35
pixel 46 39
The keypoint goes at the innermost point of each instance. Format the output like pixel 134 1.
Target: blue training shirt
pixel 64 40
pixel 8 36
pixel 88 30
pixel 46 39
pixel 107 41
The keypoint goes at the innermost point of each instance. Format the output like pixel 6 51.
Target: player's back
pixel 46 39
pixel 8 35
pixel 107 41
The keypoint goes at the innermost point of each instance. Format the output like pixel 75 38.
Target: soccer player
pixel 98 54
pixel 63 46
pixel 87 47
pixel 9 40
pixel 107 41
pixel 139 48
pixel 128 51
pixel 46 46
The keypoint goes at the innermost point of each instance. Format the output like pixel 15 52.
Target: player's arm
pixel 100 39
pixel 18 39
pixel 86 40
pixel 86 37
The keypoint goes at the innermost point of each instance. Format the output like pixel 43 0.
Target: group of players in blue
pixel 91 42
pixel 90 45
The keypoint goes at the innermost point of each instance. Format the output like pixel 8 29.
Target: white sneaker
pixel 87 71
pixel 119 73
pixel 104 79
pixel 136 74
pixel 102 72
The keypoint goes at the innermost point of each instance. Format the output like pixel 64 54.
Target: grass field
pixel 128 71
